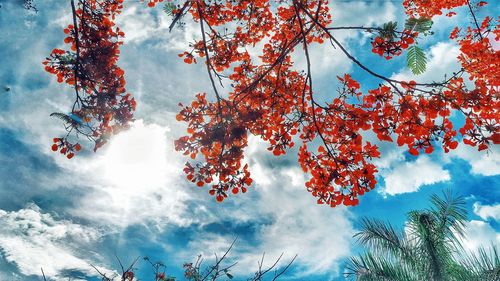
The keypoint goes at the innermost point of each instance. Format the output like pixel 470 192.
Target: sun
pixel 138 157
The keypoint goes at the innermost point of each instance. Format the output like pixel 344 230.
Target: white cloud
pixel 442 60
pixel 32 240
pixel 300 226
pixel 362 13
pixel 479 234
pixel 141 24
pixel 487 211
pixel 288 221
pixel 410 176
pixel 486 163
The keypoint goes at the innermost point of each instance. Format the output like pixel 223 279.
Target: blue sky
pixel 131 198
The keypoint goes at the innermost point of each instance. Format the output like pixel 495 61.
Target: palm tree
pixel 429 248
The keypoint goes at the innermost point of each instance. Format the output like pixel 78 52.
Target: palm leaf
pixel 416 60
pixel 451 213
pixel 483 265
pixel 371 267
pixel 428 249
pixel 380 237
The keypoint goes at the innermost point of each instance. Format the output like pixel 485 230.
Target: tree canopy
pixel 272 99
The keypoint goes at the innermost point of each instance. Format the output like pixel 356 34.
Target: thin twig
pixel 43 274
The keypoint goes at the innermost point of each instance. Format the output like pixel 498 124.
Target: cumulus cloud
pixel 485 163
pixel 142 24
pixel 32 240
pixel 363 13
pixel 286 219
pixel 487 211
pixel 442 60
pixel 410 176
pixel 479 234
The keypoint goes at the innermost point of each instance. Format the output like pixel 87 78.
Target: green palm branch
pixel 428 248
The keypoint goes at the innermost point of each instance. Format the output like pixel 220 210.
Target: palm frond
pixel 381 237
pixel 451 215
pixel 429 248
pixel 370 267
pixel 435 252
pixel 482 265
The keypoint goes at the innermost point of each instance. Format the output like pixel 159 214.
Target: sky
pixel 131 199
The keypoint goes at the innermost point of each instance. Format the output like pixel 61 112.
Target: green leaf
pixel 421 25
pixel 416 60
pixel 169 8
pixel 389 30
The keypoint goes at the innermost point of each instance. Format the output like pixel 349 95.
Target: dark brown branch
pixel 207 55
pixel 77 60
pixel 181 13
pixel 309 77
pixel 103 275
pixel 475 20
pixel 353 59
pixel 284 269
pixel 362 28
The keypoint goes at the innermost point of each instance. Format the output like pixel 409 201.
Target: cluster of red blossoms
pixel 270 98
pixel 102 106
pixel 152 3
pixel 66 148
pixel 388 47
pixel 219 130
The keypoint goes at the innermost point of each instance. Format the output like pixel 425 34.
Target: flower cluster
pixel 102 106
pixel 428 9
pixel 388 47
pixel 65 147
pixel 272 100
pixel 218 130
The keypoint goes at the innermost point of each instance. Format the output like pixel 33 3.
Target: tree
pixel 273 100
pixel 429 248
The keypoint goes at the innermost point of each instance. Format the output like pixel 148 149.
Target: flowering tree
pixel 272 99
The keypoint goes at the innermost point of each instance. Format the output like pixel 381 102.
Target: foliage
pixel 421 25
pixel 169 8
pixel 428 248
pixel 101 104
pixel 416 60
pixel 272 99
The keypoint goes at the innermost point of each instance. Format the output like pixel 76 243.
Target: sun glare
pixel 137 158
